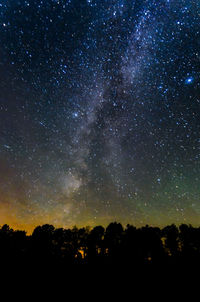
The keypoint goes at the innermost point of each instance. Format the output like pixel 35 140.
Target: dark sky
pixel 99 112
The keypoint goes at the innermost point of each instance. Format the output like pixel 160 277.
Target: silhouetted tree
pixel 70 246
pixel 19 245
pixel 59 242
pixel 6 243
pixel 82 242
pixel 42 243
pixel 171 241
pixel 151 247
pixel 190 243
pixel 113 239
pixel 130 245
pixel 95 243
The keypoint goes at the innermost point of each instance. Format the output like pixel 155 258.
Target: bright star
pixel 189 80
pixel 75 114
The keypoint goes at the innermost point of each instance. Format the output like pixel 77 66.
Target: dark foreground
pixel 146 248
pixel 100 263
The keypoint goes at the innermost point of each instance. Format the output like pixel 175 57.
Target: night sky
pixel 99 112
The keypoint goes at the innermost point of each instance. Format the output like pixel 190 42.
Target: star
pixel 189 80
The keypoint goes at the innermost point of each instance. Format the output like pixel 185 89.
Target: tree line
pixel 115 244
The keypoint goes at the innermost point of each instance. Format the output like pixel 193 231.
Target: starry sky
pixel 99 112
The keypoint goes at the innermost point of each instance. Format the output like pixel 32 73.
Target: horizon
pixel 90 227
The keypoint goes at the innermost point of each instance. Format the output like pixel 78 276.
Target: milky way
pixel 99 112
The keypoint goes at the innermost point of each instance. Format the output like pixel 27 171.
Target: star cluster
pixel 99 112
